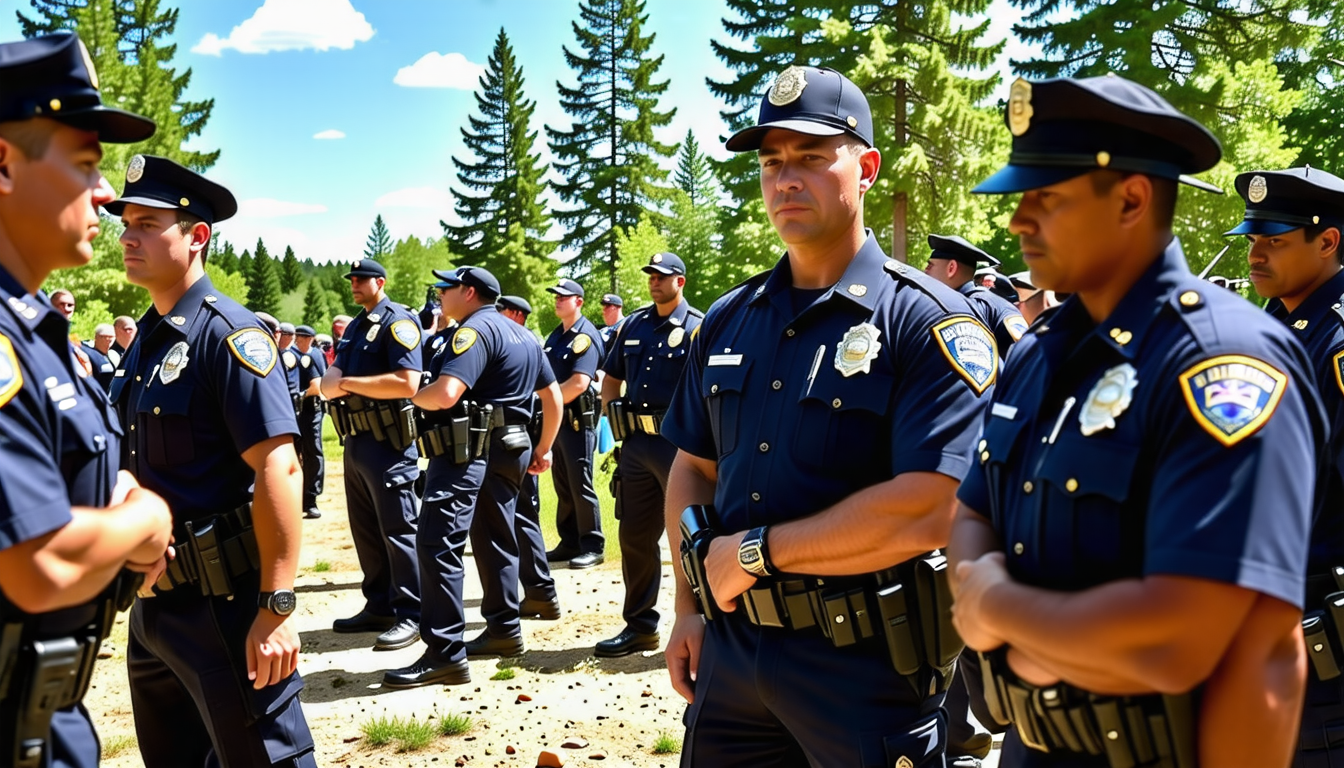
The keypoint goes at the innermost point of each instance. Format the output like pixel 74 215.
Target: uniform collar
pixel 677 316
pixel 380 309
pixel 969 287
pixel 201 292
pixel 1123 329
pixel 1321 301
pixel 859 284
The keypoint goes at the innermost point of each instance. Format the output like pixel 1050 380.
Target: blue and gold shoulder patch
pixel 971 350
pixel 1337 363
pixel 255 349
pixel 1232 396
pixel 1016 325
pixel 407 333
pixel 581 343
pixel 11 375
pixel 463 339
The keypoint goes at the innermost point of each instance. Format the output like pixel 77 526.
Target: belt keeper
pixel 798 603
pixel 762 608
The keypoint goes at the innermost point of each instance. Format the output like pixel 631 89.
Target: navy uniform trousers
pixel 534 573
pixel 578 519
pixel 187 656
pixel 645 463
pixel 475 499
pixel 73 743
pixel 380 496
pixel 766 697
pixel 310 451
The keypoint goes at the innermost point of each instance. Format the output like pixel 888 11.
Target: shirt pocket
pixel 1092 518
pixel 992 454
pixel 722 387
pixel 843 426
pixel 165 419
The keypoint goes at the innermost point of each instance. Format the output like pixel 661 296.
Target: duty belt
pixel 389 421
pixel 1323 623
pixel 650 422
pixel 212 552
pixel 1152 731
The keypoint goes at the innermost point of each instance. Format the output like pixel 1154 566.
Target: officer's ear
pixel 9 153
pixel 198 238
pixel 1137 197
pixel 870 162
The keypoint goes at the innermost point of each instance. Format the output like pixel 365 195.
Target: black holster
pixel 1323 628
pixel 620 419
pixel 582 412
pixel 697 531
pixel 212 552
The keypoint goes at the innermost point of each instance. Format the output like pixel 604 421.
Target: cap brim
pixel 649 269
pixel 1261 227
pixel 561 291
pixel 749 139
pixel 446 277
pixel 113 126
pixel 1199 184
pixel 1021 178
pixel 117 206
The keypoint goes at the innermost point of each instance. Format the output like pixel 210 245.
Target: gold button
pixel 776 384
pixel 835 403
pixel 1103 158
pixel 55 105
pixel 713 388
pixel 1018 548
pixel 1113 735
pixel 1071 485
pixel 1189 299
pixel 184 201
pixel 984 444
pixel 1115 332
pixel 984 456
pixel 156 410
pixel 137 378
pixel 852 122
pixel 1124 338
pixel 132 427
pixel 132 453
pixel 1027 487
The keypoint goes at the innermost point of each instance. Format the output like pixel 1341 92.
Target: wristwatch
pixel 281 602
pixel 752 554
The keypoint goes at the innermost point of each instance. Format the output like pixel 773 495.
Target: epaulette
pixel 696 312
pixel 1339 309
pixel 1038 325
pixel 903 273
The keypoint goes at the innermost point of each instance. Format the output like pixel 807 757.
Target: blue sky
pixel 391 81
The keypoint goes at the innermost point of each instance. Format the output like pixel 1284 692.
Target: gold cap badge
pixel 1258 189
pixel 1019 107
pixel 136 169
pixel 788 87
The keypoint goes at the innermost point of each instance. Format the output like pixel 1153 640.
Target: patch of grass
pixel 321 566
pixel 410 735
pixel 602 485
pixel 666 744
pixel 504 673
pixel 116 745
pixel 379 731
pixel 455 725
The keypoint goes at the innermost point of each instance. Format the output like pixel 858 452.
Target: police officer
pixel 826 411
pixel 1114 549
pixel 540 600
pixel 289 357
pixel 613 308
pixel 475 411
pixel 646 357
pixel 952 263
pixel 575 351
pixel 312 365
pixel 69 523
pixel 1293 220
pixel 211 656
pixel 369 385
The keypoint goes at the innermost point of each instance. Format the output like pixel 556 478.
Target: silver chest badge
pixel 373 332
pixel 674 338
pixel 857 349
pixel 173 363
pixel 1108 399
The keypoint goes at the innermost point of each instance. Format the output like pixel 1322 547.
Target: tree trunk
pixel 899 204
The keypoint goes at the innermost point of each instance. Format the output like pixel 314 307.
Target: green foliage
pixel 88 314
pixel 409 269
pixel 225 257
pixel 608 158
pixel 315 311
pixel 693 229
pixel 230 284
pixel 666 744
pixel 410 734
pixel 116 745
pixel 635 246
pixel 245 263
pixel 321 566
pixel 291 274
pixel 263 284
pixel 456 725
pixel 379 243
pixel 507 673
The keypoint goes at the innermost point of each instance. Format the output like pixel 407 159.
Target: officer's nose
pixel 103 193
pixel 1021 223
pixel 787 178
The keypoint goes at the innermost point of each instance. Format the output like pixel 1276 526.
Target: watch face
pixel 751 556
pixel 283 602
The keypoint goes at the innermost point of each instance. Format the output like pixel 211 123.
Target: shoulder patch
pixel 305 361
pixel 406 333
pixel 11 375
pixel 1337 363
pixel 463 339
pixel 581 343
pixel 971 350
pixel 1016 325
pixel 254 348
pixel 695 332
pixel 289 359
pixel 1232 396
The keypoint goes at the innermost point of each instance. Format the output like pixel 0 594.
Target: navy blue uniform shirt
pixel 198 388
pixel 765 391
pixel 1179 437
pixel 1318 323
pixel 578 350
pixel 381 341
pixel 998 315
pixel 649 351
pixel 312 364
pixel 498 360
pixel 289 360
pixel 100 367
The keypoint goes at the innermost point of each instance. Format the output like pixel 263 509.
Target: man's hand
pixel 150 507
pixel 272 650
pixel 726 577
pixel 975 579
pixel 540 463
pixel 152 572
pixel 1029 669
pixel 683 653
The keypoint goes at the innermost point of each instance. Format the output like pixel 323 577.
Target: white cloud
pixel 293 25
pixel 268 208
pixel 440 70
pixel 330 133
pixel 417 197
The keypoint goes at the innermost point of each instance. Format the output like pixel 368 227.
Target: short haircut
pixel 1164 193
pixel 1316 230
pixel 60 292
pixel 124 321
pixel 104 329
pixel 32 137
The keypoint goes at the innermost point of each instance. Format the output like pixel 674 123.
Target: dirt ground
pixel 615 709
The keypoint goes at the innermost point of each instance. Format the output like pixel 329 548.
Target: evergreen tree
pixel 263 284
pixel 291 274
pixel 225 258
pixel 315 312
pixel 694 174
pixel 245 263
pixel 379 243
pixel 609 157
pixel 692 230
pixel 503 186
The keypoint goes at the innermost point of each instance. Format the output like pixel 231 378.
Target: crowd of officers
pixel 1111 527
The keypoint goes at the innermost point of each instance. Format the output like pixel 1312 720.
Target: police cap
pixel 366 268
pixel 566 287
pixel 1064 127
pixel 612 300
pixel 268 320
pixel 1281 201
pixel 517 303
pixel 812 100
pixel 474 277
pixel 287 328
pixel 157 182
pixel 305 331
pixel 52 76
pixel 665 263
pixel 957 249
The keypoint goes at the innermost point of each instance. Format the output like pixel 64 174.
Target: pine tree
pixel 503 186
pixel 245 263
pixel 692 230
pixel 315 312
pixel 263 284
pixel 609 157
pixel 291 274
pixel 694 174
pixel 225 258
pixel 379 244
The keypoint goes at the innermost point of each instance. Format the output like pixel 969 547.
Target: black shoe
pixel 363 622
pixel 312 513
pixel 485 645
pixel 561 555
pixel 587 560
pixel 427 672
pixel 626 643
pixel 402 634
pixel 539 608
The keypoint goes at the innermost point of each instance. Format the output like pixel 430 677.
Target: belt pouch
pixel 480 429
pixel 1113 727
pixel 1024 717
pixel 1180 727
pixel 514 438
pixel 798 600
pixel 996 695
pixel 616 419
pixel 460 428
pixel 942 644
pixel 1055 719
pixel 214 574
pixel 836 610
pixel 762 610
pixel 1140 738
pixel 1319 650
pixel 896 629
pixel 52 682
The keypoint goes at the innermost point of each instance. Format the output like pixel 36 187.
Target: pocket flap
pixel 1086 465
pixel 718 379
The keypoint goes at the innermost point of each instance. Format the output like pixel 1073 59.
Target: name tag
pixel 725 360
pixel 120 372
pixel 1004 411
pixel 61 391
pixel 631 342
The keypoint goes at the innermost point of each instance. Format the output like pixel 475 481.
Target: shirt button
pixel 765 447
pixel 790 333
pixel 156 410
pixel 1027 487
pixel 1071 485
pixel 137 378
pixel 132 427
pixel 984 444
pixel 713 388
pixel 755 497
pixel 132 453
pixel 835 403
pixel 984 456
pixel 776 384
pixel 1018 548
